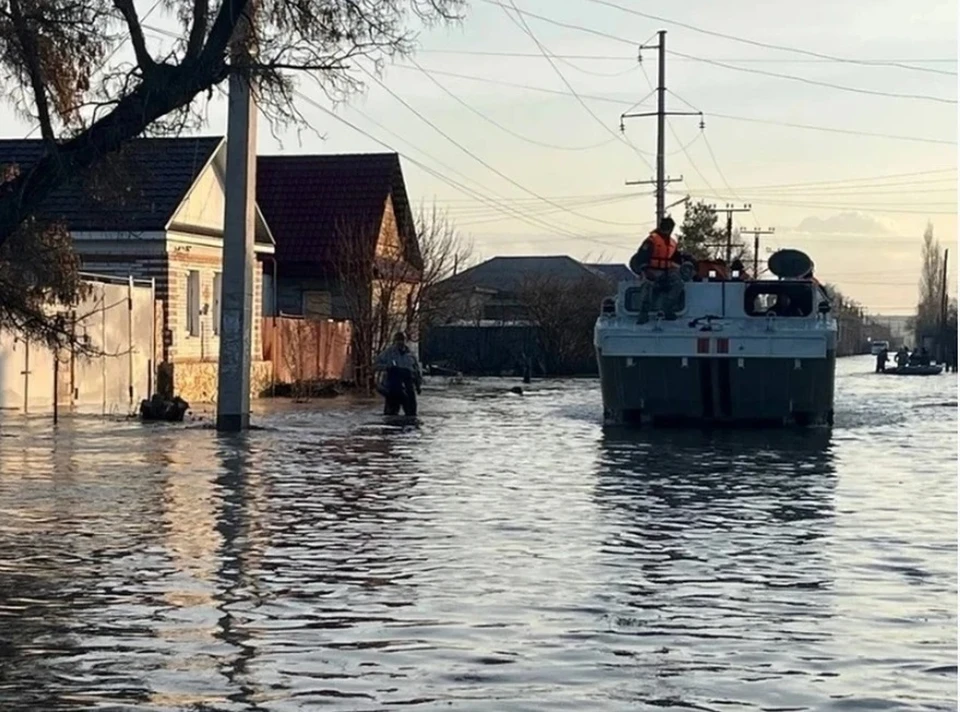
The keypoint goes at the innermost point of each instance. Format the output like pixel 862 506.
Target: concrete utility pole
pixel 236 314
pixel 757 232
pixel 661 113
pixel 730 210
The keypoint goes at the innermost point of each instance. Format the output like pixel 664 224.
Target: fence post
pixel 26 375
pixel 56 386
pixel 130 343
pixel 103 348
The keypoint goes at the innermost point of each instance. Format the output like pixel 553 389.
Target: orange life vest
pixel 664 248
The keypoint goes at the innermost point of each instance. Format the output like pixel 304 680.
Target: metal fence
pixel 108 370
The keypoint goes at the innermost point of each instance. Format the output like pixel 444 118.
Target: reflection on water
pixel 509 554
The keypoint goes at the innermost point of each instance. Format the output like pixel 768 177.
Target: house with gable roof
pixel 332 214
pixel 155 211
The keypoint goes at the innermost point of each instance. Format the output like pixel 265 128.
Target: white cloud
pixel 851 223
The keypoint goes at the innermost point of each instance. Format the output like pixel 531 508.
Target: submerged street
pixel 507 554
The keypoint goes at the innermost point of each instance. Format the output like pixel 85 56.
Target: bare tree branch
pixel 129 12
pixel 31 58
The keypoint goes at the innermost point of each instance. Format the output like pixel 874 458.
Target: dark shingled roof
pixel 306 200
pixel 614 272
pixel 154 173
pixel 506 274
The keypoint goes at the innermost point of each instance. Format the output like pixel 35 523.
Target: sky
pixel 524 150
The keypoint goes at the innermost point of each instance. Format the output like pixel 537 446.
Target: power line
pixel 732 60
pixel 624 40
pixel 814 82
pixel 830 129
pixel 710 114
pixel 864 179
pixel 477 158
pixel 767 45
pixel 546 55
pixel 495 202
pixel 514 85
pixel 885 208
pixel 501 126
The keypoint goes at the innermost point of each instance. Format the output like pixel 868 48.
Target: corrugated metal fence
pixel 109 370
pixel 306 350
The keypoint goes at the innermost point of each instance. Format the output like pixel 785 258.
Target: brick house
pixel 155 211
pixel 344 233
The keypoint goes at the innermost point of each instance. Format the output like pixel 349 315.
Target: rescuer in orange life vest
pixel 658 262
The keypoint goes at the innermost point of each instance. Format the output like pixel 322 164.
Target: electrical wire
pixel 500 126
pixel 546 55
pixel 766 45
pixel 707 113
pixel 814 82
pixel 624 40
pixel 732 60
pixel 494 202
pixel 481 161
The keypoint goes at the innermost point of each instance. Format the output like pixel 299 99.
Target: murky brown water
pixel 505 555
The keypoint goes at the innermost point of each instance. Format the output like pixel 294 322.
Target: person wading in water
pixel 402 378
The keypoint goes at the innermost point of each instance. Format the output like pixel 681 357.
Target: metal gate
pixel 108 369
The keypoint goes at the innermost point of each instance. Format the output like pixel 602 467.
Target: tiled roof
pixel 152 178
pixel 507 274
pixel 309 200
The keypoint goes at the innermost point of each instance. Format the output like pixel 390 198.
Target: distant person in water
pixel 402 378
pixel 882 357
pixel 903 356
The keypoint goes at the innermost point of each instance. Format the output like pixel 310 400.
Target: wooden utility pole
pixel 661 113
pixel 236 313
pixel 757 232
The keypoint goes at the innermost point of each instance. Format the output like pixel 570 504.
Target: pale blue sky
pixel 864 232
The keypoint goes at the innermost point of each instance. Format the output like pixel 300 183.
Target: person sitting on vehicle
pixel 402 377
pixel 658 261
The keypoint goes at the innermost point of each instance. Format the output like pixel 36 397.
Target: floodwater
pixel 505 555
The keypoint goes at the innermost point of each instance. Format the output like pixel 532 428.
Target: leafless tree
pixel 930 306
pixel 565 312
pixel 375 284
pixel 444 252
pixel 64 69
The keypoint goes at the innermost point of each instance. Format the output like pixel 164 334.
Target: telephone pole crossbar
pixel 757 232
pixel 730 209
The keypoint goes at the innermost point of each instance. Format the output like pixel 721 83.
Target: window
pixel 316 305
pixel 784 298
pixel 217 301
pixel 193 302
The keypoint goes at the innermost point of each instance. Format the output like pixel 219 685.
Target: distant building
pixel 512 313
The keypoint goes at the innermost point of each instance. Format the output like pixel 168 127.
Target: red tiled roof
pixel 308 200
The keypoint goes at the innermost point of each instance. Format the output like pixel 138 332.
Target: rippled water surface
pixel 508 554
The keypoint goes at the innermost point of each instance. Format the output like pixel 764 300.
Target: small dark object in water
pixel 159 408
pixel 517 389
